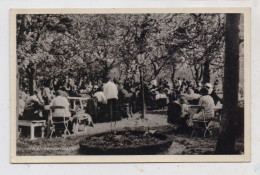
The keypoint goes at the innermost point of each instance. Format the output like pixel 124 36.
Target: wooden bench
pixel 32 124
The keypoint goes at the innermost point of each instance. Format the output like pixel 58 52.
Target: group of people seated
pixel 204 97
pixel 111 100
pixel 107 103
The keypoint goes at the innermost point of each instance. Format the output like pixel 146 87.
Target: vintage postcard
pixel 130 85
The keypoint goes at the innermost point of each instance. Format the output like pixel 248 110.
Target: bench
pixel 32 124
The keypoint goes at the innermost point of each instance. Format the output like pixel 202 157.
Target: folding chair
pixel 59 119
pixel 201 124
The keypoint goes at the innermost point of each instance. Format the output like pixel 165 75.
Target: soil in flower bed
pixel 125 143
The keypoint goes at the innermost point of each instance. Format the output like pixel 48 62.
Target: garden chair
pixel 59 119
pixel 200 124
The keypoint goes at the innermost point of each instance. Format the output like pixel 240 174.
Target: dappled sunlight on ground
pixel 182 143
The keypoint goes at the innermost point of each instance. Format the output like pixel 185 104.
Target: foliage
pixel 91 47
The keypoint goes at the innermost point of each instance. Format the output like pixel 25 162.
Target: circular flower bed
pixel 134 142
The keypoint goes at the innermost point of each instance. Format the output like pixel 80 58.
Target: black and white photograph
pixel 131 84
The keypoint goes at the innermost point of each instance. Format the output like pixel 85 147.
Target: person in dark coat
pixel 33 107
pixel 177 113
pixel 124 102
pixel 91 108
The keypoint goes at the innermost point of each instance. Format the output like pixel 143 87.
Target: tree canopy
pixel 92 46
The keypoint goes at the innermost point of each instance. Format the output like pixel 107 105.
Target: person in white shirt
pixel 59 100
pixel 208 103
pixel 179 82
pixel 111 93
pixel 110 90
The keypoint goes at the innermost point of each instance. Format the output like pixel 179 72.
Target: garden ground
pixel 182 144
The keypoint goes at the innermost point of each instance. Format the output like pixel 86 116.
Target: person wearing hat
pixel 95 87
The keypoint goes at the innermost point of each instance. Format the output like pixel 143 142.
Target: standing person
pixel 179 82
pixel 111 93
pixel 101 105
pixel 124 101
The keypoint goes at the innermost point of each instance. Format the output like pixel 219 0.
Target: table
pixel 32 124
pixel 72 100
pixel 217 109
pixel 81 118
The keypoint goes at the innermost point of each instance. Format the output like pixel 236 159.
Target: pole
pixel 111 115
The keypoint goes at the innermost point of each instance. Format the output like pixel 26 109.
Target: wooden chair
pixel 200 124
pixel 59 119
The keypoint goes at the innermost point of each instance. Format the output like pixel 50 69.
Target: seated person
pixel 192 97
pixel 206 101
pixel 31 110
pixel 60 100
pixel 177 112
pixel 100 96
pixel 161 100
pixel 33 107
pixel 63 92
pixel 47 96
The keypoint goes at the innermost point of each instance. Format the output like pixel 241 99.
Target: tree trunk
pixel 206 73
pixel 227 137
pixel 196 76
pixel 30 75
pixel 142 93
pixel 173 74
